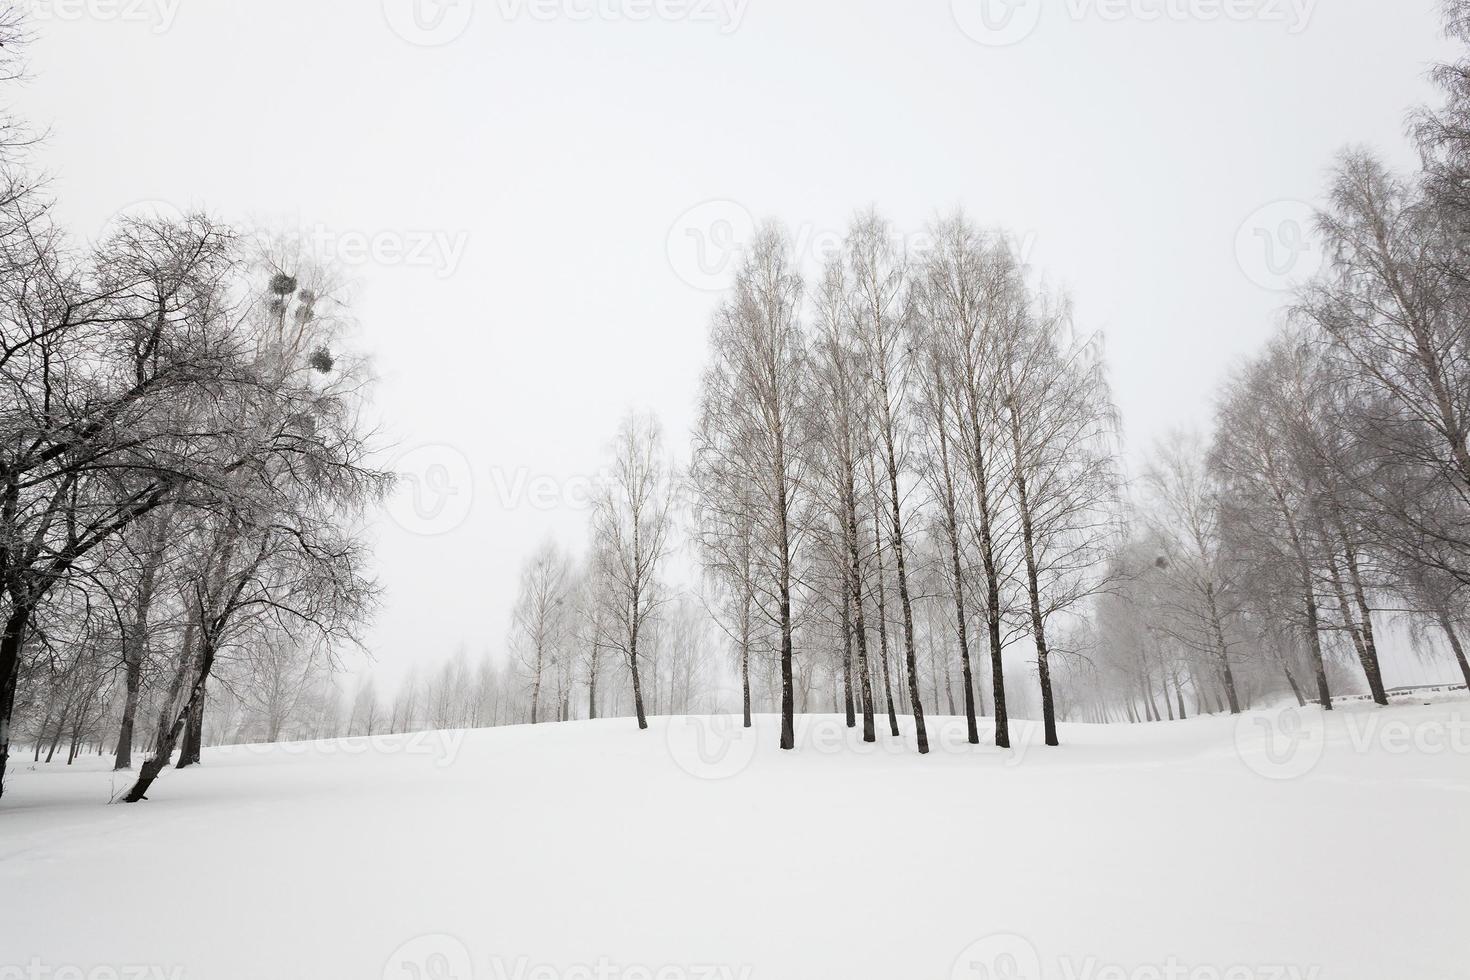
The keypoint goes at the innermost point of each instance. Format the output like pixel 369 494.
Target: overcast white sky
pixel 546 168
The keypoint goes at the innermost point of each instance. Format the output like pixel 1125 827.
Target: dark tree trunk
pixel 1314 645
pixel 951 520
pixel 788 687
pixel 637 692
pixel 855 598
pixel 633 631
pixel 592 685
pixel 11 641
pixel 883 637
pixel 1372 667
pixel 60 726
pixel 1033 590
pixel 1455 645
pixel 745 679
pixel 1222 651
pixel 536 685
pixel 133 680
pixel 1361 633
pixel 972 726
pixel 1309 600
pixel 1296 690
pixel 174 716
pixel 135 648
pixel 992 577
pixel 911 662
pixel 847 703
pixel 192 749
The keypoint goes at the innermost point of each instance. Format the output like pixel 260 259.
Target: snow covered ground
pixel 1278 845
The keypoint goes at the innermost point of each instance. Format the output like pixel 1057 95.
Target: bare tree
pixel 1186 519
pixel 540 619
pixel 879 297
pixel 969 284
pixel 631 525
pixel 1061 423
pixel 842 422
pixel 752 429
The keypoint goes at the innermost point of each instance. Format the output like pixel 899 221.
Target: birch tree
pixel 632 523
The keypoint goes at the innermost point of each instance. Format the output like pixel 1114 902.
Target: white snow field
pixel 1280 845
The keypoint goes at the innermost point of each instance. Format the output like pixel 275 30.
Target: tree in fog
pixel 589 631
pixel 752 430
pixel 1060 419
pixel 842 424
pixel 935 410
pixel 1201 601
pixel 878 275
pixel 146 546
pixel 540 620
pixel 631 527
pixel 275 541
pixel 1265 493
pixel 724 529
pixel 969 283
pixel 278 678
pixel 99 361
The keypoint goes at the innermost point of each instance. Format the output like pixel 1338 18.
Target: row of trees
pixel 939 397
pixel 907 463
pixel 1332 494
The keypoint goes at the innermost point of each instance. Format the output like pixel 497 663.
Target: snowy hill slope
pixel 692 850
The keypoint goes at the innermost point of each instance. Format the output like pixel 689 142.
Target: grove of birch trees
pixel 906 495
